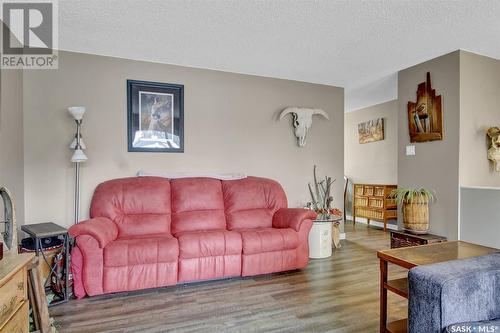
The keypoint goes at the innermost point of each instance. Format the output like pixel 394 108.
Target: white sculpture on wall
pixel 302 120
pixel 494 146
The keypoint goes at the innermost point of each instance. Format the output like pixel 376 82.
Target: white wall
pixel 230 125
pixel 11 139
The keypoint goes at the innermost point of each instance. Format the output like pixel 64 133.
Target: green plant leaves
pixel 412 195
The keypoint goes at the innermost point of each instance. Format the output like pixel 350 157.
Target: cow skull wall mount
pixel 494 146
pixel 302 120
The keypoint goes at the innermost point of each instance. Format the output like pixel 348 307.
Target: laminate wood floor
pixel 338 294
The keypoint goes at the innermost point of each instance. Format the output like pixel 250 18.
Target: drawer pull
pixel 8 309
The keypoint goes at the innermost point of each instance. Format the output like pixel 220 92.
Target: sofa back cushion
pixel 252 202
pixel 138 205
pixel 197 204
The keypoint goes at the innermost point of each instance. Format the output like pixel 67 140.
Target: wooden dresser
pixel 14 303
pixel 371 202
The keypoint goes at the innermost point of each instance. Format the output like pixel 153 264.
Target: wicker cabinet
pixel 372 202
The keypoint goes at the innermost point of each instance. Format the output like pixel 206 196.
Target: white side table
pixel 320 238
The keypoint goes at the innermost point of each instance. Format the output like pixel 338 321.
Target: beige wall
pixel 479 109
pixel 374 162
pixel 230 125
pixel 11 138
pixel 436 163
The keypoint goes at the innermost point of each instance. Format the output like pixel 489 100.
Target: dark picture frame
pixel 155 117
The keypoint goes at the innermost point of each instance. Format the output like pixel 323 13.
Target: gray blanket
pixel 454 292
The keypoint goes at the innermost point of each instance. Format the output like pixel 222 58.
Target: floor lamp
pixel 78 155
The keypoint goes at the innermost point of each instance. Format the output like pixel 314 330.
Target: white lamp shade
pixel 73 144
pixel 77 112
pixel 78 156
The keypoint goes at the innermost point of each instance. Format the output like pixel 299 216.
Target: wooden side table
pixel 404 239
pixel 409 257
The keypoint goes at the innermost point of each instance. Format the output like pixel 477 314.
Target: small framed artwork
pixel 371 131
pixel 155 117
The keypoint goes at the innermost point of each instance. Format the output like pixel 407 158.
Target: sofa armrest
pixel 452 292
pixel 292 217
pixel 101 228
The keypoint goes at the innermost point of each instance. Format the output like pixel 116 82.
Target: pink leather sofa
pixel 148 232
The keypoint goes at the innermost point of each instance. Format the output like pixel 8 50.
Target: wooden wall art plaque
pixel 425 117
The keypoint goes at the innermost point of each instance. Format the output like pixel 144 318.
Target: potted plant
pixel 415 206
pixel 321 200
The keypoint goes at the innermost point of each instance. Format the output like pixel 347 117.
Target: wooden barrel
pixel 416 216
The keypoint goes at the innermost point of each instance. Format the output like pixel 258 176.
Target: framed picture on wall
pixel 371 131
pixel 155 117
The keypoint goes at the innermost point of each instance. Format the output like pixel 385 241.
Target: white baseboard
pixel 342 235
pixel 372 222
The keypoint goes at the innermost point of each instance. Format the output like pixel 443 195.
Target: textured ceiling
pixel 359 45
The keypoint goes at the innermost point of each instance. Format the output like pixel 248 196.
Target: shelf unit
pixel 398 326
pixel 372 202
pixel 399 287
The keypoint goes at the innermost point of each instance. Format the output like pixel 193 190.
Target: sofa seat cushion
pixel 261 240
pixel 141 250
pixel 210 243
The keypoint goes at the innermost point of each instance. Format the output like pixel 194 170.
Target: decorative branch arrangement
pixel 321 199
pixel 410 195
